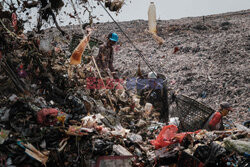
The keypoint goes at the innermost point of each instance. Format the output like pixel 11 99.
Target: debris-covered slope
pixel 212 61
pixel 49 114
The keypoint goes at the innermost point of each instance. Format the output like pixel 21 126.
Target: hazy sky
pixel 174 9
pixel 165 10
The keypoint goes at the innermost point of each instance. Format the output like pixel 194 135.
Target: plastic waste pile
pixel 51 117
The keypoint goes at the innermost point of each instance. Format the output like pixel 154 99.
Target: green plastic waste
pixel 240 146
pixel 3 135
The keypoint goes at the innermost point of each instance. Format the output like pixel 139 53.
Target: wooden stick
pixel 227 131
pixel 11 33
pixel 12 75
pixel 103 83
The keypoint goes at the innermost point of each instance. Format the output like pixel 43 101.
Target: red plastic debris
pixel 176 49
pixel 14 21
pixel 165 136
pixel 47 116
pixel 168 136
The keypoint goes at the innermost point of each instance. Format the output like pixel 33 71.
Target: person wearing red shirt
pixel 215 120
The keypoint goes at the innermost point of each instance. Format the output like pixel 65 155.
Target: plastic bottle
pixel 152 18
pixel 148 108
pixel 136 101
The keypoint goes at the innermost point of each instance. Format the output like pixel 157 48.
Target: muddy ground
pixel 211 66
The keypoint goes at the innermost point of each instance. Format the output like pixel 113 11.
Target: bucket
pixel 141 83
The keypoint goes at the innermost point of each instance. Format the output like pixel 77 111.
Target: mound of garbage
pixel 57 114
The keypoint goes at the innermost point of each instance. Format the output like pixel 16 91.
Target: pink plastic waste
pixel 14 21
pixel 42 116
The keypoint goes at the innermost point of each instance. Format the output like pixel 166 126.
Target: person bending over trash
pixel 215 120
pixel 105 56
pixel 155 93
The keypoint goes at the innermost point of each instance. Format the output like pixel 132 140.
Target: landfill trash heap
pixel 48 117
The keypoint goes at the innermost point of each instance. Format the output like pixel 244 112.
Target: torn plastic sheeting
pixel 34 153
pixel 165 136
pixel 240 146
pixel 168 136
pixel 122 161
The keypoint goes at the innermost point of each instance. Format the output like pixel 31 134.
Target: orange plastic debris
pixel 76 56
